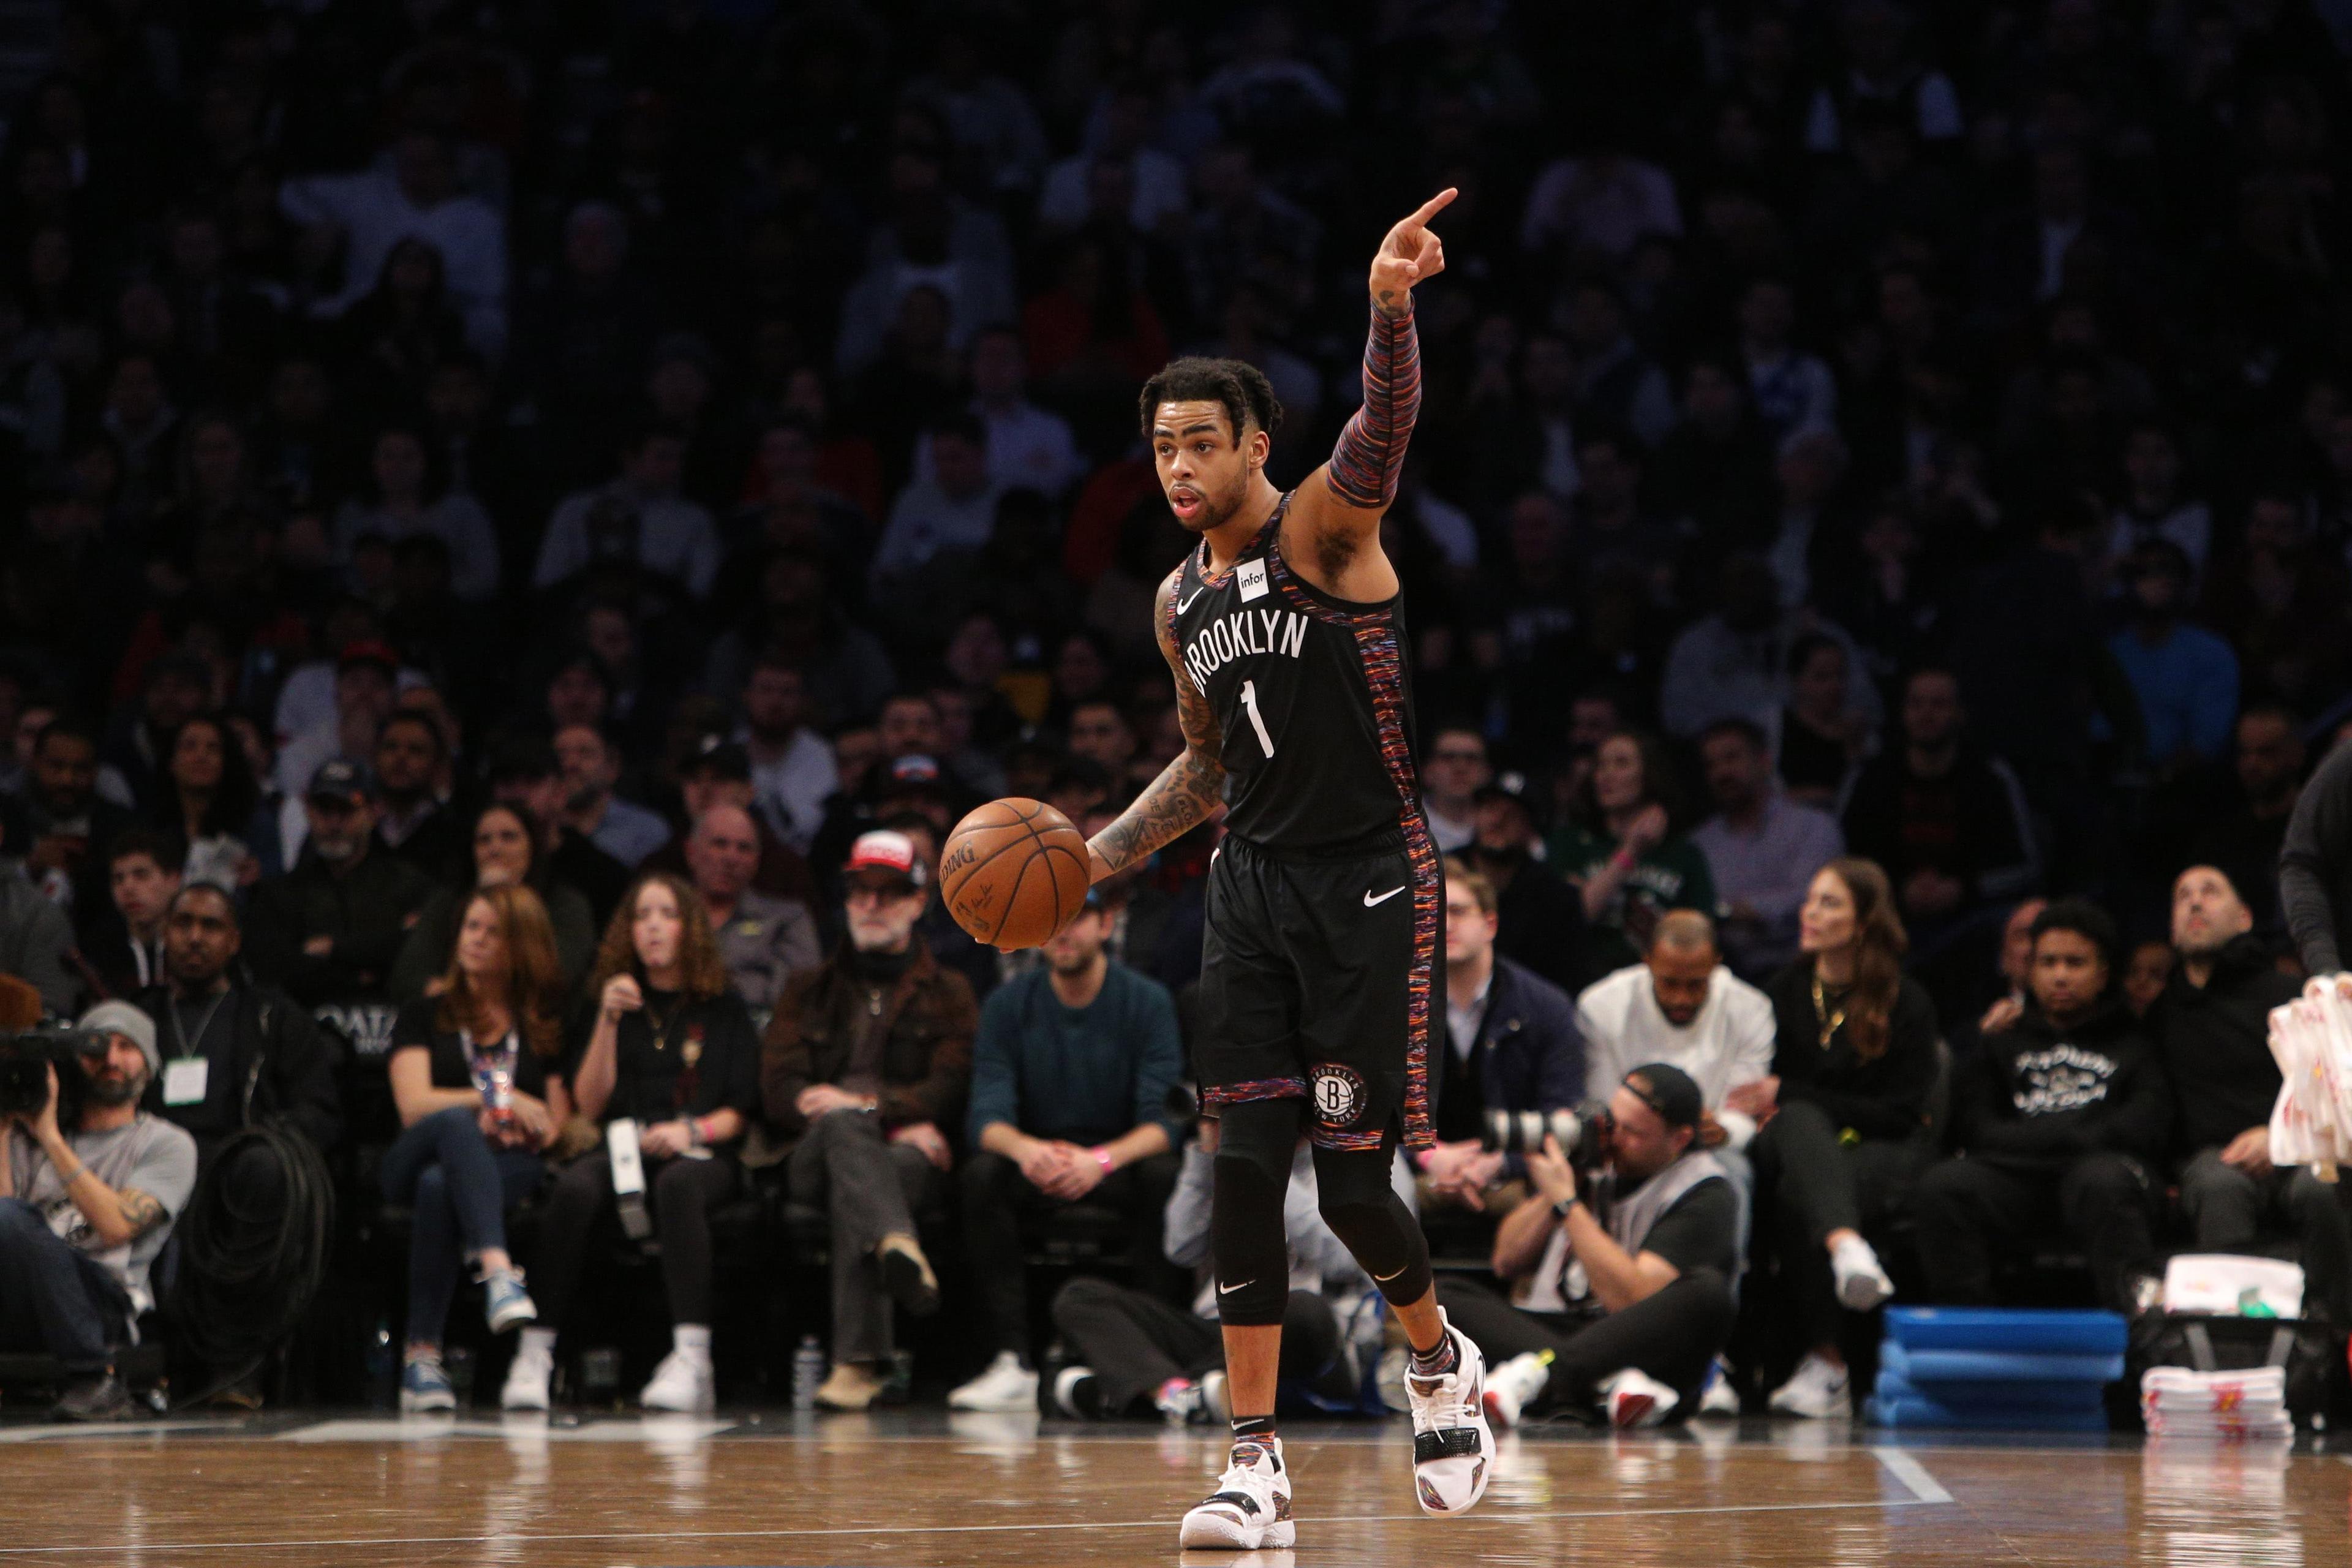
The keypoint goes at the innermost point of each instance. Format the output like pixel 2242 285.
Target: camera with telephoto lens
pixel 24 1061
pixel 1582 1131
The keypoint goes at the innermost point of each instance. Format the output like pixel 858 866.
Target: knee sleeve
pixel 1247 1235
pixel 1365 1213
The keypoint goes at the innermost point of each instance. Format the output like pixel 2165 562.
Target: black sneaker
pixel 99 1398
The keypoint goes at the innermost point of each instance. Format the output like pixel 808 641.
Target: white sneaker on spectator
pixel 1816 1391
pixel 1250 1510
pixel 1453 1442
pixel 1635 1399
pixel 531 1373
pixel 1512 1386
pixel 684 1381
pixel 1006 1385
pixel 1862 1284
pixel 1720 1397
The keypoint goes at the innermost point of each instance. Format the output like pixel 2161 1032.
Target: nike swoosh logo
pixel 1369 900
pixel 1384 1279
pixel 1184 604
pixel 1229 1289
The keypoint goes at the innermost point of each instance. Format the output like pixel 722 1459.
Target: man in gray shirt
pixel 761 939
pixel 82 1214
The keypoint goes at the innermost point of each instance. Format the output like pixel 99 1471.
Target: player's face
pixel 1204 464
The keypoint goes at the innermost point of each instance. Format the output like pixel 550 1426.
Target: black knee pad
pixel 1365 1213
pixel 1247 1235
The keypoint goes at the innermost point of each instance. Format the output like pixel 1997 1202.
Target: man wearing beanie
pixel 85 1207
pixel 1620 1277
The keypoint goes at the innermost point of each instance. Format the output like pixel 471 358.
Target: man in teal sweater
pixel 1069 1104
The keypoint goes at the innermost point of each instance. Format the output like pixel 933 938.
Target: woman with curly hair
pixel 669 1048
pixel 473 1072
pixel 1844 1113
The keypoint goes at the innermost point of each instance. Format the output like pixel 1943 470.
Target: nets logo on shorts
pixel 1336 1093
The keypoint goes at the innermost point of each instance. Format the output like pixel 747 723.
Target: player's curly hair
pixel 1238 387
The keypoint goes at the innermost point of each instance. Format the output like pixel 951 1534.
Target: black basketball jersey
pixel 1310 692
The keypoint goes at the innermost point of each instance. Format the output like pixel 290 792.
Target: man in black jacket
pixel 234 1055
pixel 329 929
pixel 2066 1112
pixel 1539 918
pixel 2315 864
pixel 2212 1026
pixel 1946 820
pixel 1511 1043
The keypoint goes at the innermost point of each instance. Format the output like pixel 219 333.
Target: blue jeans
pixel 54 1297
pixel 460 1187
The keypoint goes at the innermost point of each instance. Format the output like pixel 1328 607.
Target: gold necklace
pixel 1830 1022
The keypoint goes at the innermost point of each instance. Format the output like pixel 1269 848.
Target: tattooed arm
pixel 1190 790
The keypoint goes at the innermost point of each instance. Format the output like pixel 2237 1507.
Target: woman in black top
pixel 473 1072
pixel 505 853
pixel 671 1048
pixel 1844 1113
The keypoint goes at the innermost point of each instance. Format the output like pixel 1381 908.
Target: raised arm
pixel 1190 790
pixel 1360 480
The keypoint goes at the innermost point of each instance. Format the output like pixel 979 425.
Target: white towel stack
pixel 2216 1406
pixel 2312 1039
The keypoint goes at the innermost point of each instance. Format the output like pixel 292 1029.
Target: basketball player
pixel 1286 637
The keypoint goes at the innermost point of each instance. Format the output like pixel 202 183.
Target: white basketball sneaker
pixel 1514 1386
pixel 1453 1445
pixel 1250 1510
pixel 683 1382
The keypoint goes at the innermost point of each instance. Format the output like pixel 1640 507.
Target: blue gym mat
pixel 1924 1367
pixel 2002 1329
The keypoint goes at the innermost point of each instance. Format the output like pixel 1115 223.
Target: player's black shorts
pixel 1316 982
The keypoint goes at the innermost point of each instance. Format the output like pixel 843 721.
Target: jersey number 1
pixel 1257 720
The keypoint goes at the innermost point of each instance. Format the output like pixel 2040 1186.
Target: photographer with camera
pixel 1621 1274
pixel 89 1185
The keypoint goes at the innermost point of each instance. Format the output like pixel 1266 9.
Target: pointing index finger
pixel 1433 205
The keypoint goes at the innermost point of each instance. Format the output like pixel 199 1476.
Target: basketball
pixel 1013 873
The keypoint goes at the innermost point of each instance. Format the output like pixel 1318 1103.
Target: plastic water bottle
pixel 808 1371
pixel 382 1367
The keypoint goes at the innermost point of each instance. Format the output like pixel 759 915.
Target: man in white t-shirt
pixel 84 1211
pixel 1680 1005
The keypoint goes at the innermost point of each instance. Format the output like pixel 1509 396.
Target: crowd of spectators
pixel 530 524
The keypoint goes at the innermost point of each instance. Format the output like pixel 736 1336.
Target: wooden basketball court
pixel 906 1489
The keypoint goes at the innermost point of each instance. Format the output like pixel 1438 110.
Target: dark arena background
pixel 525 527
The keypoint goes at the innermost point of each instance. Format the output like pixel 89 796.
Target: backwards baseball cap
pixel 720 757
pixel 340 779
pixel 1668 1090
pixel 888 854
pixel 123 1018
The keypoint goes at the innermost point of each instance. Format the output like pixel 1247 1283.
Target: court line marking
pixel 1907 1470
pixel 150 1547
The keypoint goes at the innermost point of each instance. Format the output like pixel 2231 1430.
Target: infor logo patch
pixel 1338 1093
pixel 1251 579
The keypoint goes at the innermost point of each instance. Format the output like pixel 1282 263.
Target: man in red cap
pixel 863 1075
